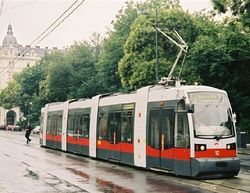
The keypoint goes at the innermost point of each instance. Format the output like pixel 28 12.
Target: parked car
pixel 17 128
pixel 9 127
pixel 2 127
pixel 13 128
pixel 36 130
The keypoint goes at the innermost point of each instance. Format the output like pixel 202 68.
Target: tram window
pixel 127 127
pixel 78 125
pixel 59 125
pixel 114 127
pixel 76 128
pixel 167 127
pixel 154 129
pixel 181 131
pixel 103 123
pixel 48 130
pixel 41 123
pixel 86 126
pixel 53 124
pixel 71 121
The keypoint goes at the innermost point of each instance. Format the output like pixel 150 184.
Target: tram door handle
pixel 114 137
pixel 162 142
pixel 78 134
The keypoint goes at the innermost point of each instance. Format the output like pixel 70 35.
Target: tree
pixel 83 78
pixel 137 67
pixel 9 96
pixel 239 9
pixel 112 48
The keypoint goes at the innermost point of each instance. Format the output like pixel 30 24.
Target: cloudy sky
pixel 29 18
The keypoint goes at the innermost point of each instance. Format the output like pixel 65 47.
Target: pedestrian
pixel 28 132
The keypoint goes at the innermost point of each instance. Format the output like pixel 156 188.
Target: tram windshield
pixel 212 115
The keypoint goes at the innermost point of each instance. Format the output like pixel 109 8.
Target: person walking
pixel 28 132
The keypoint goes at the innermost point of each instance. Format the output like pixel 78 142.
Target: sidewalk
pixel 244 150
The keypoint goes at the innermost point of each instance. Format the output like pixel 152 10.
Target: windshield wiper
pixel 218 137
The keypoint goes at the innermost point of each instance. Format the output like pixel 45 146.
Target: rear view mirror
pixel 190 108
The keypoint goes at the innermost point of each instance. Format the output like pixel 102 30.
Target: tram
pixel 185 130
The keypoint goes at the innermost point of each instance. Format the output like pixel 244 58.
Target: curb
pixel 245 153
pixel 244 167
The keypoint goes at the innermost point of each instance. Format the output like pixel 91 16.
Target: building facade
pixel 13 59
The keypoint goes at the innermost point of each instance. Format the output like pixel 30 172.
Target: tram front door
pixel 160 138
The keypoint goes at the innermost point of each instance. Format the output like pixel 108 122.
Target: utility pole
pixel 156 42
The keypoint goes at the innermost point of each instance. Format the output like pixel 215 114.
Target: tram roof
pixel 129 96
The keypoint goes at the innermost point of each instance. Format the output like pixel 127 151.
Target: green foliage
pixel 9 96
pixel 58 81
pixel 83 78
pixel 137 67
pixel 112 49
pixel 240 9
pixel 222 60
pixel 218 56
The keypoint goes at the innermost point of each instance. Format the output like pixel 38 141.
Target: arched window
pixel 10 117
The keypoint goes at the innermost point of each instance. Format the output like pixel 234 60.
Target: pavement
pixel 244 150
pixel 244 155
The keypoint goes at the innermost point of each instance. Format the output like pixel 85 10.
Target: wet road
pixel 32 169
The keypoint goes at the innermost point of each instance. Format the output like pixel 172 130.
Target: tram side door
pixel 161 126
pixel 114 135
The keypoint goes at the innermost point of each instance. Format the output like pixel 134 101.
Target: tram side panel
pixel 140 126
pixel 115 133
pixel 160 134
pixel 115 129
pixel 42 127
pixel 43 132
pixel 78 130
pixel 64 125
pixel 53 122
pixel 54 130
pixel 182 151
pixel 168 135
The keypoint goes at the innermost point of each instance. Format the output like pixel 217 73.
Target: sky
pixel 29 18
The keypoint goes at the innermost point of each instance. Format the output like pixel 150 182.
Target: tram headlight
pixel 231 146
pixel 200 147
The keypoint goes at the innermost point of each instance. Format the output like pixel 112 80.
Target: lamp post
pixel 28 115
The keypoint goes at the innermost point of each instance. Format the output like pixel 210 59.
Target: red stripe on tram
pixel 173 153
pixel 121 147
pixel 78 141
pixel 215 153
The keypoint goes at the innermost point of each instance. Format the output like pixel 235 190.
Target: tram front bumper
pixel 214 167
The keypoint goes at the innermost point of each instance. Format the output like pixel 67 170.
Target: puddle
pixel 79 173
pixel 109 187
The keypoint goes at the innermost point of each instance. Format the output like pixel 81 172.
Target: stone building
pixel 13 59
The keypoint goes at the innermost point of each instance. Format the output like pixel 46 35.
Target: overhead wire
pixel 54 22
pixel 62 21
pixel 21 5
pixel 41 37
pixel 1 8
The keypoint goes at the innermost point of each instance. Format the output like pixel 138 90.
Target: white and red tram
pixel 186 130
